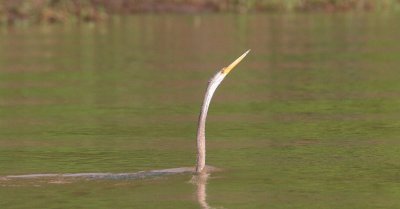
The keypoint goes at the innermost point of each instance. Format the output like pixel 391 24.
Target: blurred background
pixel 95 10
pixel 310 119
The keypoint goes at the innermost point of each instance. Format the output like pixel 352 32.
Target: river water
pixel 310 119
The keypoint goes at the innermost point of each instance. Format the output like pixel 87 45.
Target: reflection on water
pixel 201 192
pixel 40 180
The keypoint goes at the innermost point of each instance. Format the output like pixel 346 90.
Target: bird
pixel 201 169
pixel 213 84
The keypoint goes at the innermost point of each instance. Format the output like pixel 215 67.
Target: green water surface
pixel 310 119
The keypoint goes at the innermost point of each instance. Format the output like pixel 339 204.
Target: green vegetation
pixel 90 10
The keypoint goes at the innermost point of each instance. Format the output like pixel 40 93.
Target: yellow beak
pixel 228 69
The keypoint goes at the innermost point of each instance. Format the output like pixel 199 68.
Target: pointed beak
pixel 228 69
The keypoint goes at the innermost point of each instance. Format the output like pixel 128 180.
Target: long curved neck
pixel 201 141
pixel 201 129
pixel 201 132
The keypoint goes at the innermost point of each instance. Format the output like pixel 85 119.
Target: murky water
pixel 310 119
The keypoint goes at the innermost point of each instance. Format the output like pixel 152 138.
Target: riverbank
pixel 52 11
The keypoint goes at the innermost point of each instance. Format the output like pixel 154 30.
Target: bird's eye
pixel 223 70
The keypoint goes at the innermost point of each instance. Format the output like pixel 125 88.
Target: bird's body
pixel 200 168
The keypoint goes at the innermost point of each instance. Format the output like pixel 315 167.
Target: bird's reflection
pixel 200 180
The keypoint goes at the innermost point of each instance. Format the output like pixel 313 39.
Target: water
pixel 310 119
